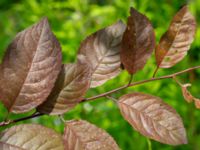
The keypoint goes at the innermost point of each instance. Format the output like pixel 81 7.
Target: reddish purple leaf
pixel 138 42
pixel 82 135
pixel 72 84
pixel 101 50
pixel 30 68
pixel 31 137
pixel 153 118
pixel 175 43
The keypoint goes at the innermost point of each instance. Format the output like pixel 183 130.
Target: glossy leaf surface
pixel 71 85
pixel 29 68
pixel 82 135
pixel 138 42
pixel 32 137
pixel 101 50
pixel 153 118
pixel 175 43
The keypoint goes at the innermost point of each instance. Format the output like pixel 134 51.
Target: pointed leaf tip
pixel 101 50
pixel 138 42
pixel 153 118
pixel 175 43
pixel 29 68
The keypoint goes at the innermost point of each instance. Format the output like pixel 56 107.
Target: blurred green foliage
pixel 72 21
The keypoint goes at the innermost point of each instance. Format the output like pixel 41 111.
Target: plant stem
pixel 154 74
pixel 138 83
pixel 5 123
pixel 177 81
pixel 106 94
pixel 130 80
pixel 149 144
pixel 112 98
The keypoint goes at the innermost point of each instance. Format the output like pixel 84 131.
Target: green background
pixel 72 21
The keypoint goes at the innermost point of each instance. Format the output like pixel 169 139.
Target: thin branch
pixel 177 81
pixel 112 98
pixel 106 94
pixel 5 123
pixel 139 82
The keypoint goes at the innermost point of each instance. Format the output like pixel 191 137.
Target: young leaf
pixel 197 103
pixel 32 137
pixel 188 96
pixel 30 68
pixel 71 85
pixel 138 42
pixel 82 135
pixel 153 118
pixel 101 50
pixel 4 146
pixel 175 43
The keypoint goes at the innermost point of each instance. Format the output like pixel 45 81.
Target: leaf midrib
pixel 145 114
pixel 173 39
pixel 10 109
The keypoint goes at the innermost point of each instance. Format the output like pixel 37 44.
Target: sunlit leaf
pixel 138 42
pixel 29 68
pixel 71 85
pixel 4 146
pixel 175 43
pixel 32 137
pixel 82 135
pixel 153 118
pixel 101 50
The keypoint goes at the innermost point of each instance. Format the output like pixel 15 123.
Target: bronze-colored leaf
pixel 197 103
pixel 4 146
pixel 30 68
pixel 138 42
pixel 153 118
pixel 175 43
pixel 72 83
pixel 82 135
pixel 101 50
pixel 188 96
pixel 32 137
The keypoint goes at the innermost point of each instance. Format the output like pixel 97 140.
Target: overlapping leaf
pixel 153 118
pixel 138 42
pixel 71 85
pixel 82 135
pixel 101 49
pixel 31 137
pixel 175 43
pixel 29 68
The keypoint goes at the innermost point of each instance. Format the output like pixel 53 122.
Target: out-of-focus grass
pixel 72 21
